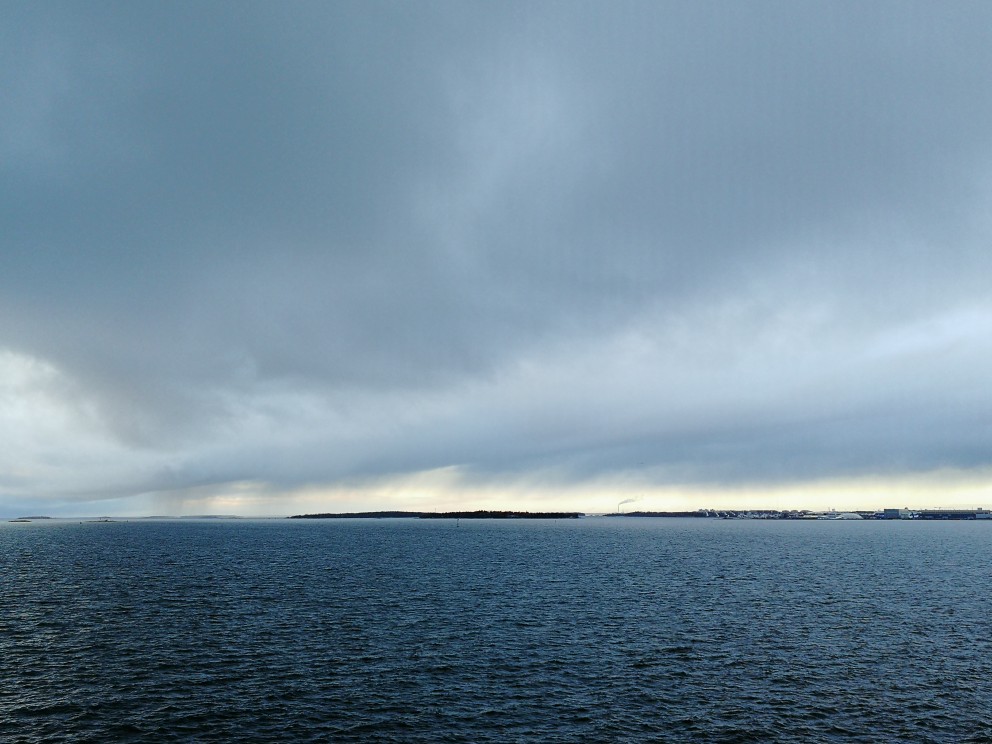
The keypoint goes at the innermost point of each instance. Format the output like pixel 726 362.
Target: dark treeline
pixel 659 514
pixel 362 515
pixel 484 514
pixel 481 514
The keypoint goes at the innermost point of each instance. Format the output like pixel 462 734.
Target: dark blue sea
pixel 595 630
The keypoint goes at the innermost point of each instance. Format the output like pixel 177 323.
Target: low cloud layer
pixel 547 247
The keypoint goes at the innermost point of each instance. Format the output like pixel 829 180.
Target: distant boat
pixel 18 520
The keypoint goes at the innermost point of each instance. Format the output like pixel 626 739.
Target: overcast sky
pixel 265 258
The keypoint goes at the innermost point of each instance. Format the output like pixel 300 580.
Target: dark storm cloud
pixel 306 242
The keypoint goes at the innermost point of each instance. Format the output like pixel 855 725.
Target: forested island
pixel 480 514
pixel 361 515
pixel 485 514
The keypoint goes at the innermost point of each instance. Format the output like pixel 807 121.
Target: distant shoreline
pixel 481 514
pixel 805 514
pixel 978 514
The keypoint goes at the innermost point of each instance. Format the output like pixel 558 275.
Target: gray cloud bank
pixel 312 243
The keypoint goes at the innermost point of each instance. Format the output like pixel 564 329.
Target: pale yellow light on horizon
pixel 449 489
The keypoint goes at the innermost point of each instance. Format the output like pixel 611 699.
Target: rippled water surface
pixel 403 630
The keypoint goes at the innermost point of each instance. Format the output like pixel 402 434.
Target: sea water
pixel 593 630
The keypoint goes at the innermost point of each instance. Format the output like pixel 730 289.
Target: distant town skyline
pixel 271 259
